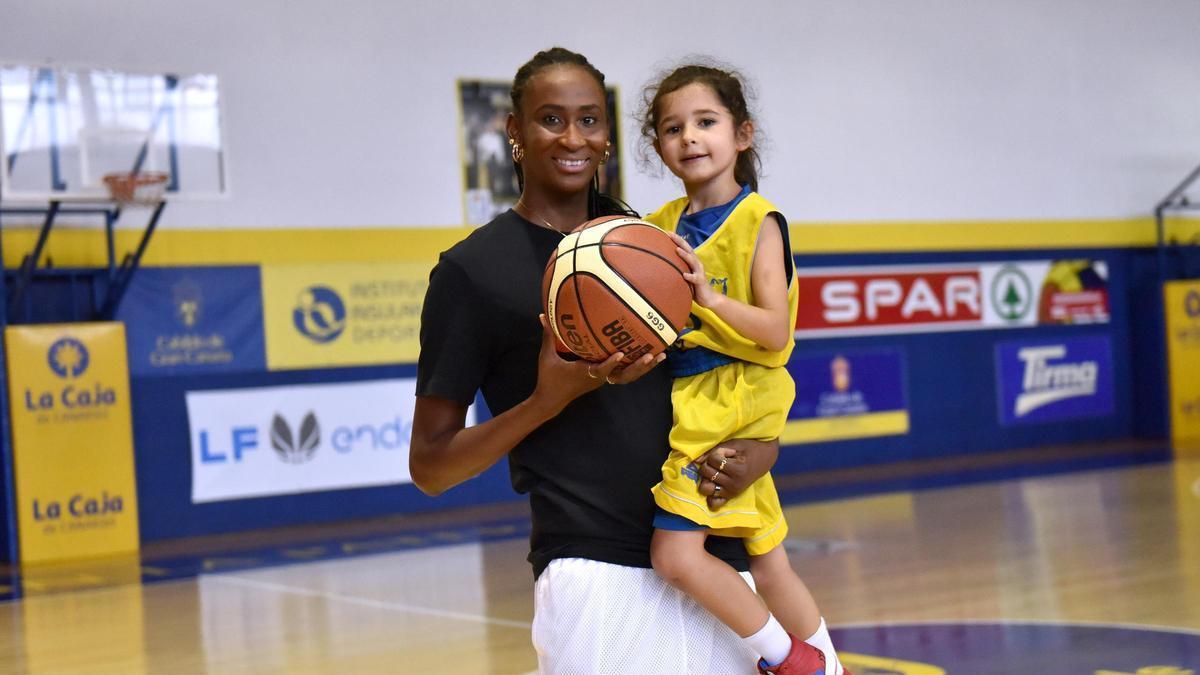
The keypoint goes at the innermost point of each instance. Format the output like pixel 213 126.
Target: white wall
pixel 344 114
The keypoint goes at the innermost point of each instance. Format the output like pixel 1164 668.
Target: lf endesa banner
pixel 301 438
pixel 72 440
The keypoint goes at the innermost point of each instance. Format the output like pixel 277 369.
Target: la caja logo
pixel 68 358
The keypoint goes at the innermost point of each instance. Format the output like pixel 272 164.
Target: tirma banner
pixel 1052 380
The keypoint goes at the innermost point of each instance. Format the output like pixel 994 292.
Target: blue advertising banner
pixel 1045 381
pixel 188 320
pixel 852 393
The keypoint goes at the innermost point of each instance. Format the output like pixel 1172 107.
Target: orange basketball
pixel 616 284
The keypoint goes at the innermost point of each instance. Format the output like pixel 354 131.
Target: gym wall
pixel 900 138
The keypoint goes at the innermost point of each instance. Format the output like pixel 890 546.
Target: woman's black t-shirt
pixel 588 472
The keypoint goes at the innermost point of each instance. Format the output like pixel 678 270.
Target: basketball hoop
pixel 145 187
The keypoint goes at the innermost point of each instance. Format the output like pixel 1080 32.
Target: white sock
pixel 822 641
pixel 771 642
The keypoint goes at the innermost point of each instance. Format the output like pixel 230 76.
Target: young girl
pixel 730 379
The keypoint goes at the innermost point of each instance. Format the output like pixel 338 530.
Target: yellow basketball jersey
pixel 728 256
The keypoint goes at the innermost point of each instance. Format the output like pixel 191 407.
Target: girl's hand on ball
pixel 703 292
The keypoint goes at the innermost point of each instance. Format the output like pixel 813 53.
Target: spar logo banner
pixel 326 315
pixel 854 393
pixel 72 440
pixel 1047 381
pixel 194 320
pixel 1182 302
pixel 304 438
pixel 847 301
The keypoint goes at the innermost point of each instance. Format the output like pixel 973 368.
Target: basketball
pixel 616 284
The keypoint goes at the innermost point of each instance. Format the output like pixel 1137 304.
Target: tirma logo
pixel 68 358
pixel 296 449
pixel 320 314
pixel 1045 383
pixel 1068 379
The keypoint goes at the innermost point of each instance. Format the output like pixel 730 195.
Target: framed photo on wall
pixel 489 179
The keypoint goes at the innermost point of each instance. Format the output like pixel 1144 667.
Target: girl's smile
pixel 699 143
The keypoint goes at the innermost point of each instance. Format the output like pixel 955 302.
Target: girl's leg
pixel 790 601
pixel 784 592
pixel 680 559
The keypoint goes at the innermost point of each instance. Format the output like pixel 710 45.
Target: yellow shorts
pixel 737 400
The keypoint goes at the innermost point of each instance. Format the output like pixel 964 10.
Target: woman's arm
pixel 444 452
pixel 740 462
pixel 766 321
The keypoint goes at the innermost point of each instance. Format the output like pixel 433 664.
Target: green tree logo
pixel 1012 294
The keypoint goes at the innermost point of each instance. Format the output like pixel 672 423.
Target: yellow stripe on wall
pixel 82 248
pixel 894 423
pixel 984 235
pixel 73 247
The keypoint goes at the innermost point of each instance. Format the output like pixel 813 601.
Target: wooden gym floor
pixel 1113 549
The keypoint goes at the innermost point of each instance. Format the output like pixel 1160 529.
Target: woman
pixel 584 440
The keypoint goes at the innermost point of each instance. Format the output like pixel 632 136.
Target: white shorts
pixel 593 617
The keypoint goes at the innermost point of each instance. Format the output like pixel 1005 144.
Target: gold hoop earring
pixel 518 152
pixel 607 152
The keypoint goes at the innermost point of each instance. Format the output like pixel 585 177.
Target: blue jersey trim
pixel 695 360
pixel 699 226
pixel 665 520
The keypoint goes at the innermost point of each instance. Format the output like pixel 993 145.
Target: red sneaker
pixel 803 659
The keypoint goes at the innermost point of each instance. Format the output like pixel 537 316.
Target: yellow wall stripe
pixel 77 247
pixel 984 235
pixel 74 247
pixel 816 430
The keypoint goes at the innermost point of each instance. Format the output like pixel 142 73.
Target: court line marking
pixel 1060 623
pixel 365 602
